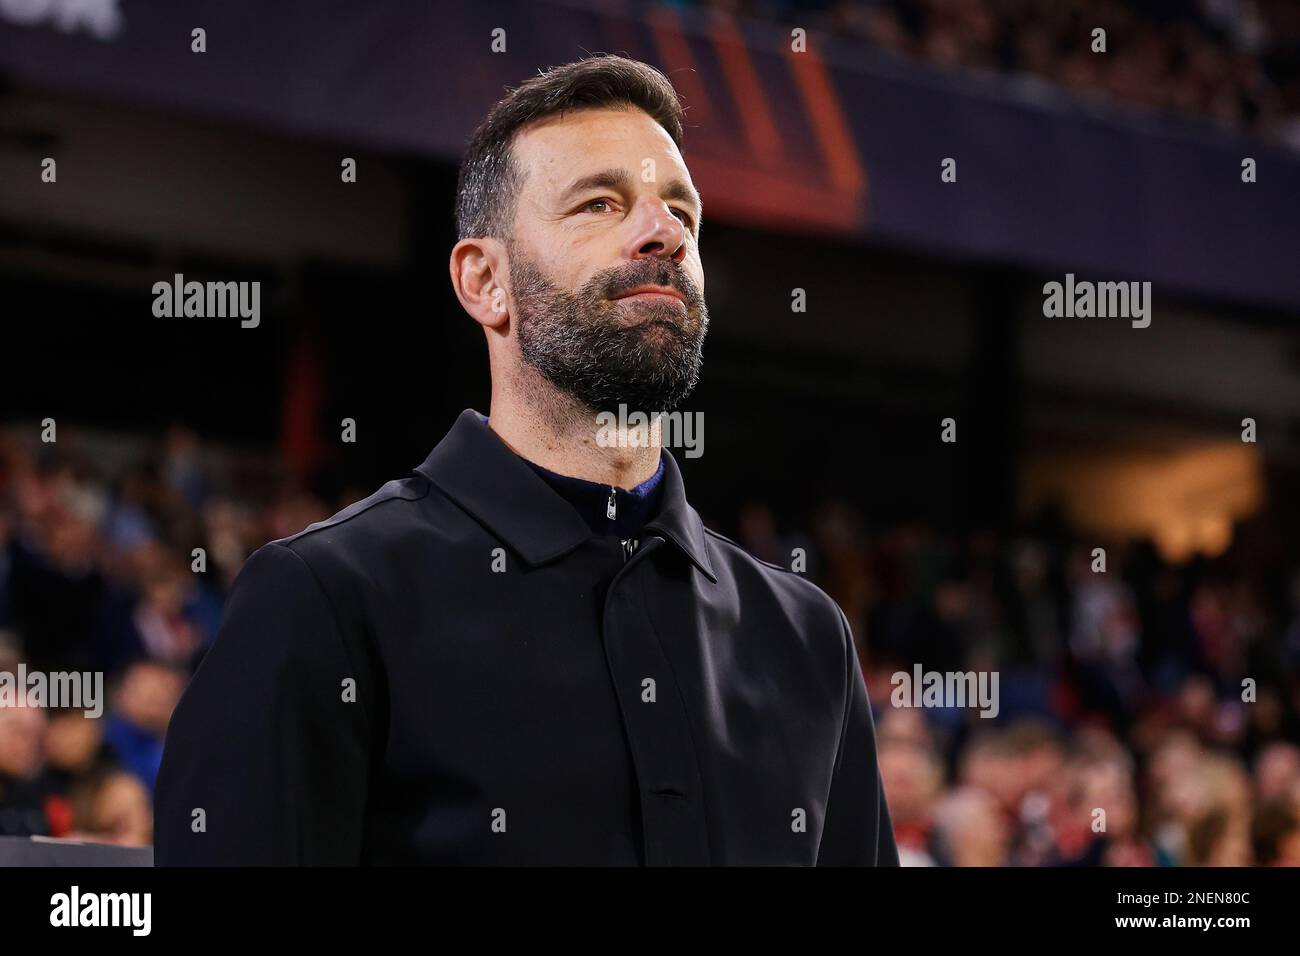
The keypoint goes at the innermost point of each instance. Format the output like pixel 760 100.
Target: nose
pixel 656 232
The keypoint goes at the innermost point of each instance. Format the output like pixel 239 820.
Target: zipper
pixel 611 506
pixel 629 548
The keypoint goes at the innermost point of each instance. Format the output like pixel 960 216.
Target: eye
pixel 590 206
pixel 687 220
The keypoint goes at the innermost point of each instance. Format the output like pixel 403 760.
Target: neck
pixel 551 429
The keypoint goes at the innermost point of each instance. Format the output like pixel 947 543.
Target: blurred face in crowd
pixel 988 767
pixel 1288 850
pixel 912 781
pixel 1108 785
pixel 72 741
pixel 1232 847
pixel 1039 766
pixel 1277 771
pixel 973 828
pixel 606 283
pixel 117 811
pixel 148 696
pixel 21 746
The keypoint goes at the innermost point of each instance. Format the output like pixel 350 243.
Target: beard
pixel 604 353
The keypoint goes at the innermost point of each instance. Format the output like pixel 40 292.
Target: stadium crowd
pixel 1235 62
pixel 1120 691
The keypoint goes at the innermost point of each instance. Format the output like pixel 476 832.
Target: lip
pixel 651 292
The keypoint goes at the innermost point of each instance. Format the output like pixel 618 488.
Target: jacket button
pixel 670 792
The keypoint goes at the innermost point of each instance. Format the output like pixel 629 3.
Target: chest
pixel 596 702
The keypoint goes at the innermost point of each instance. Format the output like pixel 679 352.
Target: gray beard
pixel 585 346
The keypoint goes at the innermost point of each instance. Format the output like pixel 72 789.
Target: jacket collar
pixel 478 471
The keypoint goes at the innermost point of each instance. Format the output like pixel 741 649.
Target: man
pixel 530 651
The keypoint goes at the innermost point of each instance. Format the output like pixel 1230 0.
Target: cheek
pixel 586 255
pixel 695 269
pixel 558 261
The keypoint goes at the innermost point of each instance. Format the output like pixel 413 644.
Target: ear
pixel 477 267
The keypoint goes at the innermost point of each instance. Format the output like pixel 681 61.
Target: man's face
pixel 604 263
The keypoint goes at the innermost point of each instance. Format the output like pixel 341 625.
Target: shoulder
pixel 375 524
pixel 336 551
pixel 753 578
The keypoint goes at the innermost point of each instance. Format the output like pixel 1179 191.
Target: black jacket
pixel 456 671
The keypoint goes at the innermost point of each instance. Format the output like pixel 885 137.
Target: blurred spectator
pixel 1231 62
pixel 1276 834
pixel 111 806
pixel 22 791
pixel 913 779
pixel 137 725
pixel 970 830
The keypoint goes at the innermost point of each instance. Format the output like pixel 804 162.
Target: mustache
pixel 621 279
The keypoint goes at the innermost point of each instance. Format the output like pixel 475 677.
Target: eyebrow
pixel 619 179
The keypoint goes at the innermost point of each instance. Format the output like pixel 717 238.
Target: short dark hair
pixel 489 179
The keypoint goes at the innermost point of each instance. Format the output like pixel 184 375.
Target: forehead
pixel 555 151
